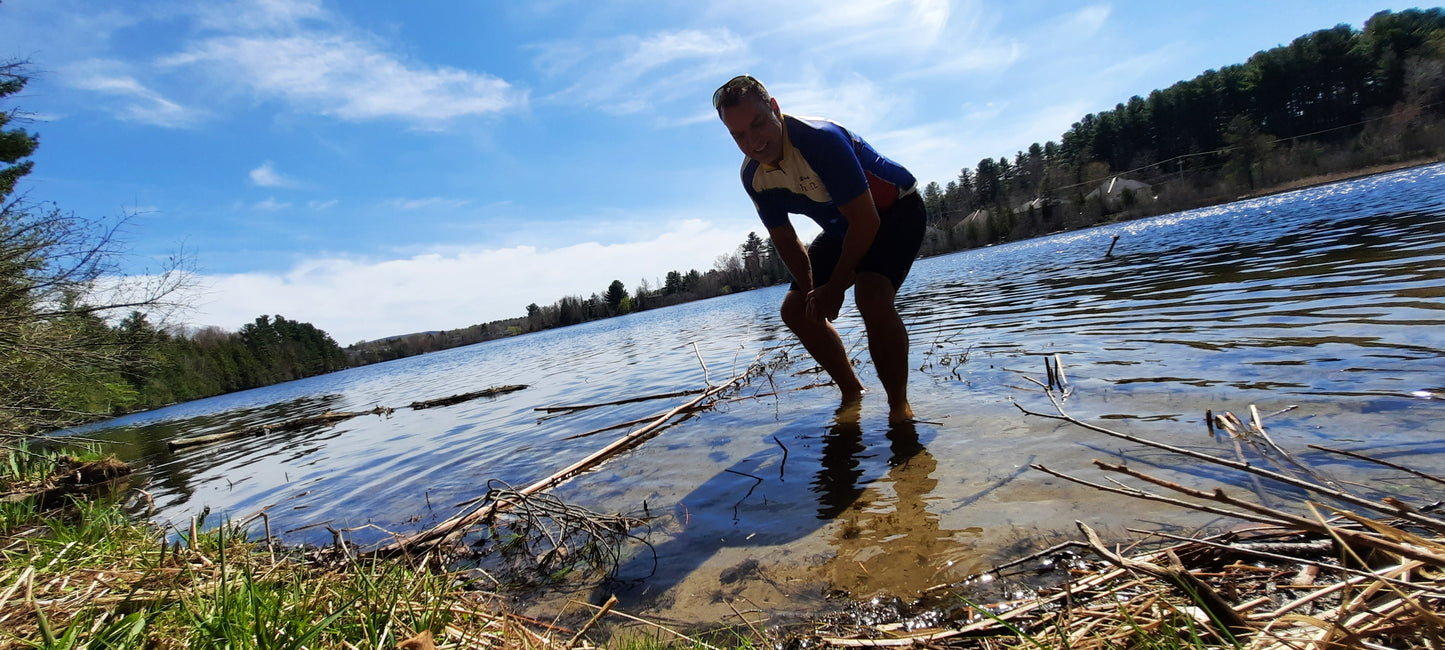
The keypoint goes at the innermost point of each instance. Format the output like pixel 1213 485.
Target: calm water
pixel 1331 299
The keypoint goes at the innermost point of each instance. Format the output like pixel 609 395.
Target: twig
pixel 1259 428
pixel 684 637
pixel 630 400
pixel 695 351
pixel 782 467
pixel 745 620
pixel 1073 543
pixel 609 428
pixel 1149 496
pixel 601 611
pixel 1377 461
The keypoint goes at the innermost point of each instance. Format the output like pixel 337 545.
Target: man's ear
pixel 773 104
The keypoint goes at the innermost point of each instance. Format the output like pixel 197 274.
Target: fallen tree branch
pixel 456 526
pixel 466 397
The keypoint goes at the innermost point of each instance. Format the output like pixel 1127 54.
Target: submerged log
pixel 331 417
pixel 466 397
pixel 325 419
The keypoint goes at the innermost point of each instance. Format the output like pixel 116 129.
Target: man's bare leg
pixel 822 341
pixel 887 340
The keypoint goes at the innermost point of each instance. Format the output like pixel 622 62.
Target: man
pixel 872 219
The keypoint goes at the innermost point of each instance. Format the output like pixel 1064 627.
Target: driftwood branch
pixel 456 526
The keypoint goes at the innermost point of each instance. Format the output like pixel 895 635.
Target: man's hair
pixel 738 88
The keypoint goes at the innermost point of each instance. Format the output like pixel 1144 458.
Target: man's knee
pixel 794 309
pixel 874 295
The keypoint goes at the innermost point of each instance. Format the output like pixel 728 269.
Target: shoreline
pixel 1336 177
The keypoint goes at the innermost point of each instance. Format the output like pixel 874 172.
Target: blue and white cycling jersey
pixel 824 166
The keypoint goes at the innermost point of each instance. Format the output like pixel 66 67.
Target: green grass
pixel 99 580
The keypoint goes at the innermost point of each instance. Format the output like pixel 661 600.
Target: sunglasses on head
pixel 717 95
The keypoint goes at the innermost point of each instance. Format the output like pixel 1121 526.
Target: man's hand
pixel 824 302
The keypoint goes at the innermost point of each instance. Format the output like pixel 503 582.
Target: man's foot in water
pixel 900 413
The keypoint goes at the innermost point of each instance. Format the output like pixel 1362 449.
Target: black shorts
pixel 900 235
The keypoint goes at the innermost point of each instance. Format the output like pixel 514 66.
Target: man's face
pixel 757 128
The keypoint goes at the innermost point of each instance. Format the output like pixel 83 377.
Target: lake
pixel 1329 299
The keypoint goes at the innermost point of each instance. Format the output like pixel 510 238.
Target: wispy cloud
pixel 338 75
pixel 271 205
pixel 267 176
pixel 634 73
pixel 322 205
pixel 1088 21
pixel 134 102
pixel 355 299
pixel 419 204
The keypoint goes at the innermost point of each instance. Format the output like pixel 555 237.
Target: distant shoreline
pixel 1336 177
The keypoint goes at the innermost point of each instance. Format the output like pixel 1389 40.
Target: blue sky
pixel 378 167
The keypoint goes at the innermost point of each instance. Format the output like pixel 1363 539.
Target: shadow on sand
pixel 734 528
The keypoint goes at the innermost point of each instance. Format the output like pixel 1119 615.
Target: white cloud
pixel 336 74
pixel 1088 21
pixel 359 299
pixel 134 101
pixel 322 205
pixel 631 74
pixel 267 176
pixel 271 205
pixel 936 151
pixel 432 202
pixel 252 15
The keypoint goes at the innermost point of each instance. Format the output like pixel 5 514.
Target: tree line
pixel 754 264
pixel 67 355
pixel 1331 101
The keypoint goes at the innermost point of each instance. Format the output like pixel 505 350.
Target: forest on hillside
pixel 1335 101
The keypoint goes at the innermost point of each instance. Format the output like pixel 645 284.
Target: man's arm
pixel 863 224
pixel 794 254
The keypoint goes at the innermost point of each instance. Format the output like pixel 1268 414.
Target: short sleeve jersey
pixel 824 165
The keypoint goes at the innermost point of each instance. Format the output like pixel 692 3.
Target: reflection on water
pixel 888 543
pixel 1331 299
